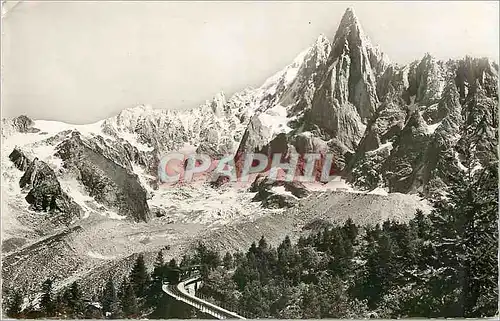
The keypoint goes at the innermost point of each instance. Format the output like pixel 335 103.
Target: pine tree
pixel 341 250
pixel 371 280
pixel 110 302
pixel 253 249
pixel 253 301
pixel 73 301
pixel 335 301
pixel 47 302
pixel 421 229
pixel 227 261
pixel 263 244
pixel 139 277
pixel 129 301
pixel 173 263
pixel 186 261
pixel 61 303
pixel 121 288
pixel 14 305
pixel 207 257
pixel 246 272
pixel 159 261
pixel 465 234
pixel 482 246
pixel 387 252
pixel 311 304
pixel 288 261
pixel 171 272
pixel 351 230
pixel 155 291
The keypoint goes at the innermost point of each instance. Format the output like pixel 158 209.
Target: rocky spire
pixel 350 31
pixel 347 97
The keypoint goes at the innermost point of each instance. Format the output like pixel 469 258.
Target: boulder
pixel 19 159
pixel 269 192
pixel 45 192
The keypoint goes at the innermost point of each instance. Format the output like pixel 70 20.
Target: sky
pixel 80 62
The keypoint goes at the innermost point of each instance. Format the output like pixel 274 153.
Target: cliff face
pixel 353 68
pixel 403 128
pixel 106 180
pixel 45 193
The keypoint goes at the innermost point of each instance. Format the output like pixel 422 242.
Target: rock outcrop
pixel 20 124
pixel 451 115
pixel 19 159
pixel 277 193
pixel 45 193
pixel 108 182
pixel 24 124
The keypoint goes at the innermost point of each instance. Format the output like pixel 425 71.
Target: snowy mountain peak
pixel 322 47
pixel 321 40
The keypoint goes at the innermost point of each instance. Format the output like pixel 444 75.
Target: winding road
pixel 179 292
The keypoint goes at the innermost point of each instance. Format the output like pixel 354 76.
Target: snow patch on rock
pixel 99 256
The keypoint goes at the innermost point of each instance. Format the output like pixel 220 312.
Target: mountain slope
pixel 88 196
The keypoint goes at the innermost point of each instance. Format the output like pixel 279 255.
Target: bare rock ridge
pixel 19 159
pixel 108 182
pixel 20 124
pixel 354 66
pixel 45 193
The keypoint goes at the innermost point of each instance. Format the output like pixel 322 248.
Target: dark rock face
pixel 403 165
pixel 425 80
pixel 45 193
pixel 451 115
pixel 347 97
pixel 20 124
pixel 213 150
pixel 110 183
pixel 353 63
pixel 333 96
pixel 279 201
pixel 19 159
pixel 119 151
pixel 37 173
pixel 300 95
pixel 218 181
pixel 23 124
pixel 263 186
pixel 158 212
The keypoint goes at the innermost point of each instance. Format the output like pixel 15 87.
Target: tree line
pixel 137 295
pixel 439 265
